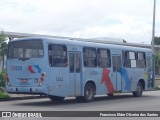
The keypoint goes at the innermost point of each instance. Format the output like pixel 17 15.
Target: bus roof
pixel 88 43
pixel 107 40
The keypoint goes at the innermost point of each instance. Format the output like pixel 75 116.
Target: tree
pixel 3 47
pixel 157 40
pixel 157 56
pixel 157 62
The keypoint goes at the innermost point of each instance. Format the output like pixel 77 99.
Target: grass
pixel 4 95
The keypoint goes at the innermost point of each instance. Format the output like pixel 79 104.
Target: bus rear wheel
pixel 89 92
pixel 139 90
pixel 56 98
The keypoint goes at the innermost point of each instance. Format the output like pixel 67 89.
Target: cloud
pixel 127 19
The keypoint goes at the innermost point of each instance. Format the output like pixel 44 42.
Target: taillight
pixel 43 75
pixel 7 80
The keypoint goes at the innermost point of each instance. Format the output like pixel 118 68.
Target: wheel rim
pixel 89 93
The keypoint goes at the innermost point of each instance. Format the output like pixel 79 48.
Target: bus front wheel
pixel 89 92
pixel 139 90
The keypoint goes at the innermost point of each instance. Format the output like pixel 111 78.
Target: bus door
pixel 117 78
pixel 75 73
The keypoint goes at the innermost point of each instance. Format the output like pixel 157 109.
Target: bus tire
pixel 56 98
pixel 139 90
pixel 89 92
pixel 79 99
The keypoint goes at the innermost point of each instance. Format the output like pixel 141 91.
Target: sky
pixel 130 20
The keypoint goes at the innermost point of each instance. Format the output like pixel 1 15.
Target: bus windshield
pixel 25 49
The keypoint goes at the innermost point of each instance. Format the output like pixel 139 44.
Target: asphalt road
pixel 150 101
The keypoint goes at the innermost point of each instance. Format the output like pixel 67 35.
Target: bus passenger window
pixel 141 60
pixel 123 58
pixel 104 58
pixel 71 62
pixel 57 55
pixel 130 59
pixel 89 57
pixel 77 63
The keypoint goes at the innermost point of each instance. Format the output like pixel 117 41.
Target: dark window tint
pixel 89 57
pixel 116 63
pixel 57 55
pixel 71 62
pixel 130 59
pixel 74 62
pixel 77 63
pixel 104 58
pixel 25 49
pixel 141 60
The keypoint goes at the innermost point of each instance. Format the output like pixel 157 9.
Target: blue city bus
pixel 62 68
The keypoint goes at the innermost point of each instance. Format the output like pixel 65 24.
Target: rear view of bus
pixel 26 66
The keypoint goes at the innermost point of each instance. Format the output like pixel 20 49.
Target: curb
pixel 22 98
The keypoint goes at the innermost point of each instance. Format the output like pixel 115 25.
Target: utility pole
pixel 153 27
pixel 153 36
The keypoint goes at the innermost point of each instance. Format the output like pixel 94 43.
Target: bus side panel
pixel 89 74
pixel 57 81
pixel 104 80
pixel 58 76
pixel 134 75
pixel 129 79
